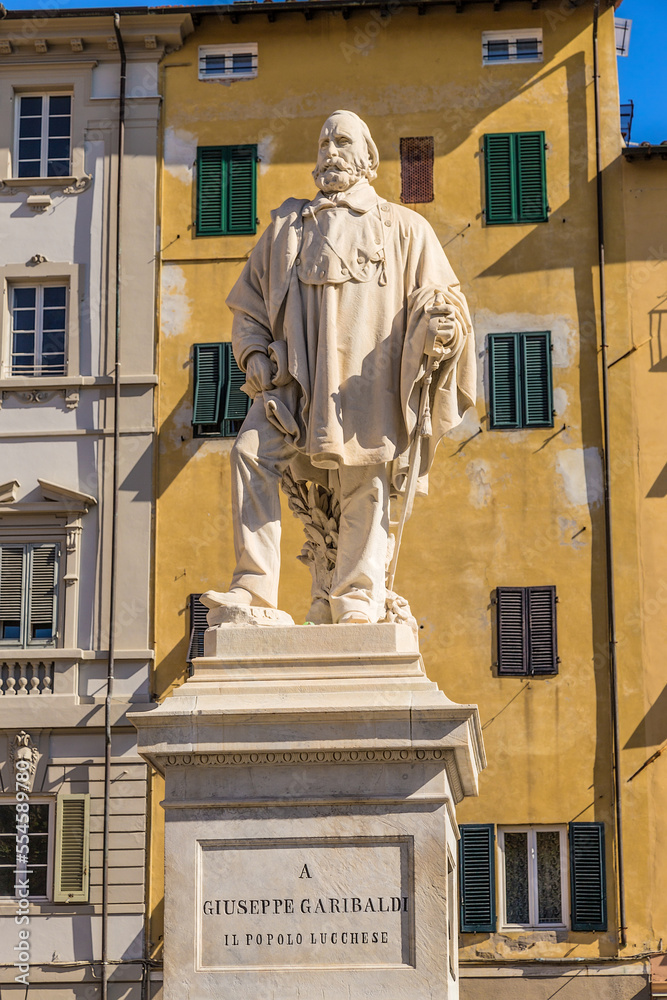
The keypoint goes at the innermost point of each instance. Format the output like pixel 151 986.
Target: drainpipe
pixel 609 545
pixel 114 530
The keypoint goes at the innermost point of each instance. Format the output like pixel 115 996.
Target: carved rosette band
pixel 381 756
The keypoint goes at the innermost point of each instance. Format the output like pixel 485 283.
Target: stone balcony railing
pixel 26 677
pixel 63 687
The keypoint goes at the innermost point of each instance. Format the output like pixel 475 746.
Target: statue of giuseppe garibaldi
pixel 358 352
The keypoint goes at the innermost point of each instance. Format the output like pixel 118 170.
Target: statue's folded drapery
pixel 345 286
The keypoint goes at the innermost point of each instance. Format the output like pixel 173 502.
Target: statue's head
pixel 346 152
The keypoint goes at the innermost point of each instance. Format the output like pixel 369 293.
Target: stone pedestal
pixel 312 774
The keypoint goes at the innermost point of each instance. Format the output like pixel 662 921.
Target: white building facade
pixel 76 493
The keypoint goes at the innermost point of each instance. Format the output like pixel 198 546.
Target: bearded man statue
pixel 331 315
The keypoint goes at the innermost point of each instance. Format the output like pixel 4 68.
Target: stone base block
pixel 312 775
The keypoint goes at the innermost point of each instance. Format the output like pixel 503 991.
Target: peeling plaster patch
pixel 175 306
pixel 581 472
pixel 178 431
pixel 180 153
pixel 265 148
pixel 569 528
pixel 214 446
pixel 468 426
pixel 479 473
pixel 564 334
pixel 560 401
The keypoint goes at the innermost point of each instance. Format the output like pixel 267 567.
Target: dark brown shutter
pixel 512 639
pixel 417 154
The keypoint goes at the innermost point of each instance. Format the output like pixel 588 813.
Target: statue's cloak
pixel 344 287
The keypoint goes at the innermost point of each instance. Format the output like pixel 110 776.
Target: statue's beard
pixel 337 174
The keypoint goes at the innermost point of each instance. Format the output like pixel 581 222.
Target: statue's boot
pixel 319 612
pixel 354 618
pixel 237 595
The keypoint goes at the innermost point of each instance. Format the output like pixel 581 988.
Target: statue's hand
pixel 441 327
pixel 259 373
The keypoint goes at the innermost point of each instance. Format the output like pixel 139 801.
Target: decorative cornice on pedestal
pixel 385 755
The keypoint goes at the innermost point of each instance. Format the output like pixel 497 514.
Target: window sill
pixel 37 185
pixel 25 382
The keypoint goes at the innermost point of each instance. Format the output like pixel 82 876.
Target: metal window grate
pixel 417 155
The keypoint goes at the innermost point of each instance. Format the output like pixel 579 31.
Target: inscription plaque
pixel 321 902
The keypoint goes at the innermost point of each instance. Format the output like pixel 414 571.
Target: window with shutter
pixel 515 173
pixel 71 878
pixel 417 154
pixel 226 190
pixel 588 885
pixel 28 594
pixel 198 626
pixel 526 630
pixel 219 406
pixel 32 868
pixel 520 380
pixel 477 882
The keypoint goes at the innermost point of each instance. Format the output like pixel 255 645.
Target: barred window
pixel 417 169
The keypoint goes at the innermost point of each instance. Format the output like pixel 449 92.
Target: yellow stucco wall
pixel 512 508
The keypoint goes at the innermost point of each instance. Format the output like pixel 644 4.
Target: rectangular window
pixel 417 154
pixel 226 190
pixel 526 619
pixel 44 135
pixel 520 380
pixel 38 329
pixel 524 45
pixel 533 872
pixel 533 878
pixel 28 594
pixel 220 406
pixel 516 178
pixel 32 864
pixel 228 62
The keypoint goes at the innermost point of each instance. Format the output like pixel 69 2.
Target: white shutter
pixel 11 584
pixel 42 590
pixel 72 856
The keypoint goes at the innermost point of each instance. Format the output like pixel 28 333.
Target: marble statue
pixel 334 313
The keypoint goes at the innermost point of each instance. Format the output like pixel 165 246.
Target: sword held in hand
pixel 437 349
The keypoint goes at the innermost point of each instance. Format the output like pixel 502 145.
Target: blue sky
pixel 642 74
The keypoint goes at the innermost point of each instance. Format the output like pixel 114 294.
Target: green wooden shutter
pixel 512 631
pixel 541 617
pixel 531 195
pixel 198 626
pixel 209 378
pixel 536 380
pixel 516 178
pixel 242 174
pixel 42 596
pixel 500 171
pixel 211 183
pixel 236 403
pixel 72 855
pixel 504 374
pixel 11 590
pixel 477 879
pixel 588 887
